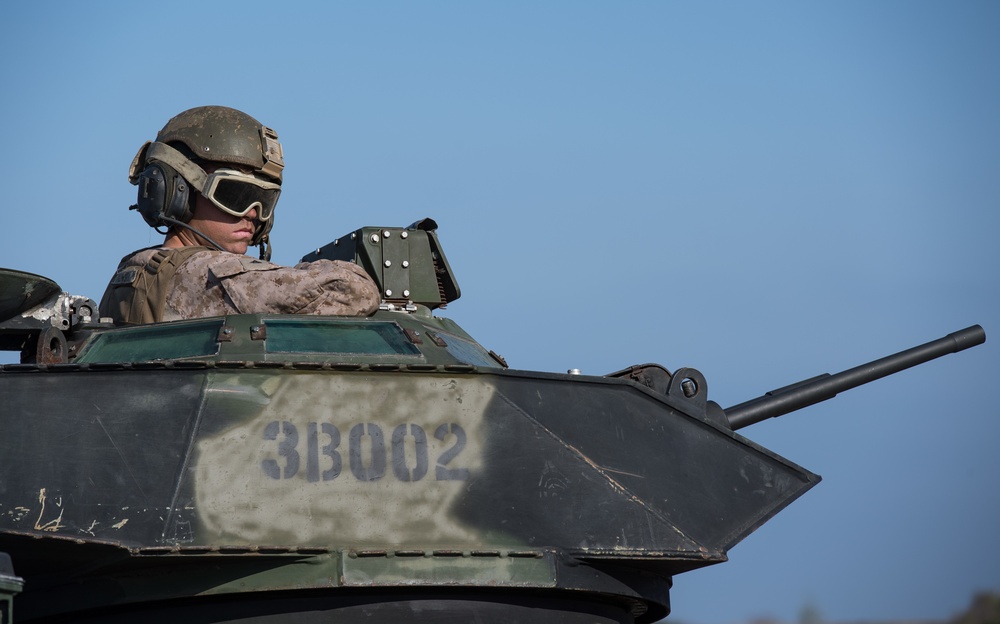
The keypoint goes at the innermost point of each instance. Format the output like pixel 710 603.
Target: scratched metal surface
pixel 371 459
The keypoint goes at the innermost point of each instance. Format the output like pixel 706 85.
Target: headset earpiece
pixel 163 193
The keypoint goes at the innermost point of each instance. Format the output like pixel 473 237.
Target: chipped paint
pixel 39 314
pixel 54 524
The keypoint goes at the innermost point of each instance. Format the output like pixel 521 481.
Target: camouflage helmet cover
pixel 226 135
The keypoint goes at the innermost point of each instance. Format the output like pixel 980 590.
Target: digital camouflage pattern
pixel 216 283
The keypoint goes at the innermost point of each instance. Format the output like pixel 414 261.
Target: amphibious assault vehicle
pixel 268 468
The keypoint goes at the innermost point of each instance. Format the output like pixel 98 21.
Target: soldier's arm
pixel 344 286
pixel 255 286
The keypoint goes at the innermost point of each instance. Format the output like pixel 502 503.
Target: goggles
pixel 238 193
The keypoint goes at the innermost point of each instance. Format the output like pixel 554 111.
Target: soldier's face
pixel 232 233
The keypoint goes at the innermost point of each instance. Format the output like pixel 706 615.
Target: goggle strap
pixel 169 156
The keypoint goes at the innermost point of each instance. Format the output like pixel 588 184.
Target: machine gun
pixel 826 386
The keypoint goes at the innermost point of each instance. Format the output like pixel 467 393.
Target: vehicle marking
pixel 369 456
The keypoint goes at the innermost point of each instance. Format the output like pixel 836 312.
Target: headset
pixel 164 196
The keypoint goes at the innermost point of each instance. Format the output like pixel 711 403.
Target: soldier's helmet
pixel 246 157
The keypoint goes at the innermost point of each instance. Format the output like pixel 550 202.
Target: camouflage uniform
pixel 203 282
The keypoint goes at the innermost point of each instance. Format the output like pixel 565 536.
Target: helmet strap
pixel 265 248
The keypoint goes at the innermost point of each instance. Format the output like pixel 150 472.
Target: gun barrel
pixel 805 393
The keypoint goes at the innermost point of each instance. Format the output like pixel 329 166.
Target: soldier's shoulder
pixel 158 253
pixel 141 256
pixel 225 264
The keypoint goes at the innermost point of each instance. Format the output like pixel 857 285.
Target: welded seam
pixel 122 455
pixel 601 471
pixel 179 478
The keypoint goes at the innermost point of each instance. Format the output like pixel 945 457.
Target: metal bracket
pixel 225 334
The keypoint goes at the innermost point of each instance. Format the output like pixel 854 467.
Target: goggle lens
pixel 238 194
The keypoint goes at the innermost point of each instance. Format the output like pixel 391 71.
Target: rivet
pixel 406 263
pixel 386 233
pixel 573 371
pixel 227 330
pixel 403 234
pixel 207 148
pixel 406 293
pixel 388 293
pixel 354 235
pixel 388 263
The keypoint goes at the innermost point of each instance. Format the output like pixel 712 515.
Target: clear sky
pixel 764 191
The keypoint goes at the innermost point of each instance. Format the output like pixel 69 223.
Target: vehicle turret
pixel 277 468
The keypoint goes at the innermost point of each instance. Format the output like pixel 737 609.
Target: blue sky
pixel 763 191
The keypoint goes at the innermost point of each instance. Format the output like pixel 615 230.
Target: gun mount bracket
pixel 689 384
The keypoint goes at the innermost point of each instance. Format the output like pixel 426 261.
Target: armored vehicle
pixel 268 468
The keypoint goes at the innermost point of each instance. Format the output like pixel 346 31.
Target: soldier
pixel 212 179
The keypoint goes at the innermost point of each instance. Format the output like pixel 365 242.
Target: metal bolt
pixel 388 263
pixel 406 293
pixel 255 329
pixel 689 387
pixel 403 234
pixel 207 148
pixel 354 235
pixel 406 263
pixel 227 330
pixel 573 371
pixel 388 293
pixel 374 238
pixel 386 233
